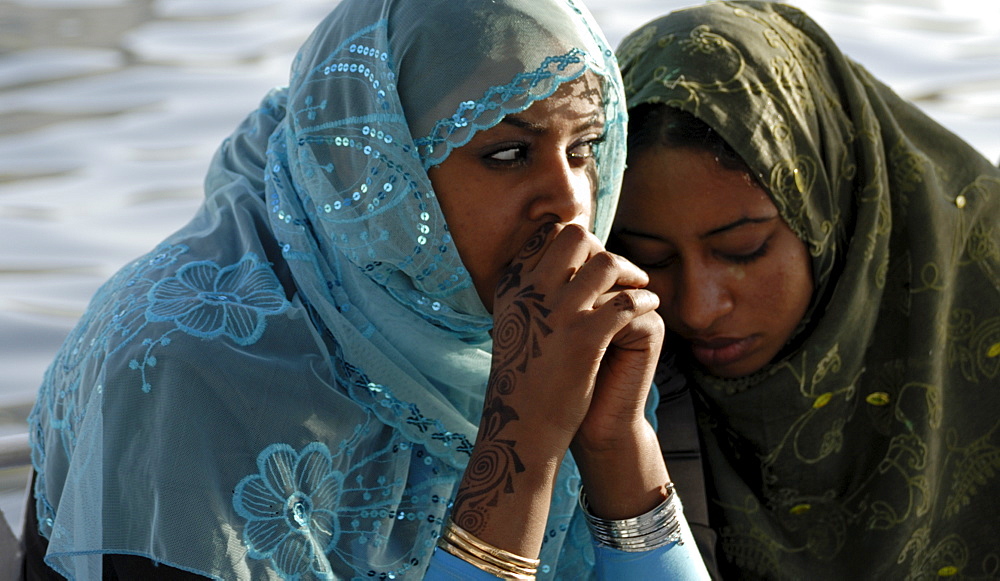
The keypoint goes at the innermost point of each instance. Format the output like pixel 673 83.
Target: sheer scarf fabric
pixel 290 385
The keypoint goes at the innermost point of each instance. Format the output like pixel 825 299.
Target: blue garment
pixel 290 385
pixel 673 561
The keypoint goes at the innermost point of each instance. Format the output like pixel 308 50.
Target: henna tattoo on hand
pixel 491 469
pixel 516 333
pixel 536 243
pixel 511 279
pixel 517 338
pixel 624 303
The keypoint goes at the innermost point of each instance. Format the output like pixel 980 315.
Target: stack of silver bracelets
pixel 657 528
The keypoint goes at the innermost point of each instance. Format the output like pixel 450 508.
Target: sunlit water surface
pixel 111 109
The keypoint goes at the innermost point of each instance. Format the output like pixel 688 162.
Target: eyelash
pixel 656 265
pixel 590 144
pixel 751 257
pixel 522 148
pixel 739 259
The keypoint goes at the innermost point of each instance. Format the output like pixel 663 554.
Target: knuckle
pixel 606 261
pixel 575 233
pixel 650 298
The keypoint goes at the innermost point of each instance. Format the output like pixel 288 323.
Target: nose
pixel 563 193
pixel 701 297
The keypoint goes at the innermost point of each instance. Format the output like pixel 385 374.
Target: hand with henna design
pixel 568 317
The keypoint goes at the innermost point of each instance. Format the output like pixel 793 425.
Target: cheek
pixel 787 291
pixel 663 287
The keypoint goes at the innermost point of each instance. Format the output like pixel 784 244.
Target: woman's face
pixel 532 168
pixel 733 279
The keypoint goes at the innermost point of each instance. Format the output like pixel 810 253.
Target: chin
pixel 735 370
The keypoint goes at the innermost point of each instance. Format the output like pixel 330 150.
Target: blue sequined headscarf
pixel 291 383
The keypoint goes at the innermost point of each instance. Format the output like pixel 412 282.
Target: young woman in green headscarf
pixel 828 264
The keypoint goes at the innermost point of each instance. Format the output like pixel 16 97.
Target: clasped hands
pixel 575 343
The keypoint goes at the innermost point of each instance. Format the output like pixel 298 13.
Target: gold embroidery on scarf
pixel 974 346
pixel 906 459
pixel 877 239
pixel 704 41
pixel 930 279
pixel 882 272
pixel 883 391
pixel 791 84
pixel 669 78
pixel 791 184
pixel 931 400
pixel 815 424
pixel 751 548
pixel 636 45
pixel 929 561
pixel 983 247
pixel 830 363
pixel 908 168
pixel 878 398
pixel 976 464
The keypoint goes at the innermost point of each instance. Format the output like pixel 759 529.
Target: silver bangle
pixel 657 528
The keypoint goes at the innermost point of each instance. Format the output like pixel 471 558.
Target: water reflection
pixel 69 24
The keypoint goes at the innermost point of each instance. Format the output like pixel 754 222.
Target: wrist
pixel 627 480
pixel 505 492
pixel 630 436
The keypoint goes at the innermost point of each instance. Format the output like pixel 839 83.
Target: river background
pixel 111 109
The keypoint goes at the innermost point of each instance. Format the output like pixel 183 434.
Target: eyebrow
pixel 726 228
pixel 595 120
pixel 733 225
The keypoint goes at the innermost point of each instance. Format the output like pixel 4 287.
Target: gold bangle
pixel 486 557
pixel 513 558
pixel 478 553
pixel 484 566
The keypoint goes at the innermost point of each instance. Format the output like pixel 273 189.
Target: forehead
pixel 580 98
pixel 687 189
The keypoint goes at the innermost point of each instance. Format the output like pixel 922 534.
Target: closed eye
pixel 748 257
pixel 643 251
pixel 664 263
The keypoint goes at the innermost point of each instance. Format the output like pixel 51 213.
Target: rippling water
pixel 111 109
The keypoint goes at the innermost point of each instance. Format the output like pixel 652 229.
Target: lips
pixel 721 351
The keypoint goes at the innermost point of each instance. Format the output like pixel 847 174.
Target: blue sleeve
pixel 674 561
pixel 447 567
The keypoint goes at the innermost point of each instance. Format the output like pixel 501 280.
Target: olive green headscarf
pixel 871 448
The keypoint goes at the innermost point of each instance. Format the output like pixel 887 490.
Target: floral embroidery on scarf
pixel 290 509
pixel 309 512
pixel 138 296
pixel 207 301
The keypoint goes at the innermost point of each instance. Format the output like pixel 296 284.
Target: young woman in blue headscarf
pixel 382 332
